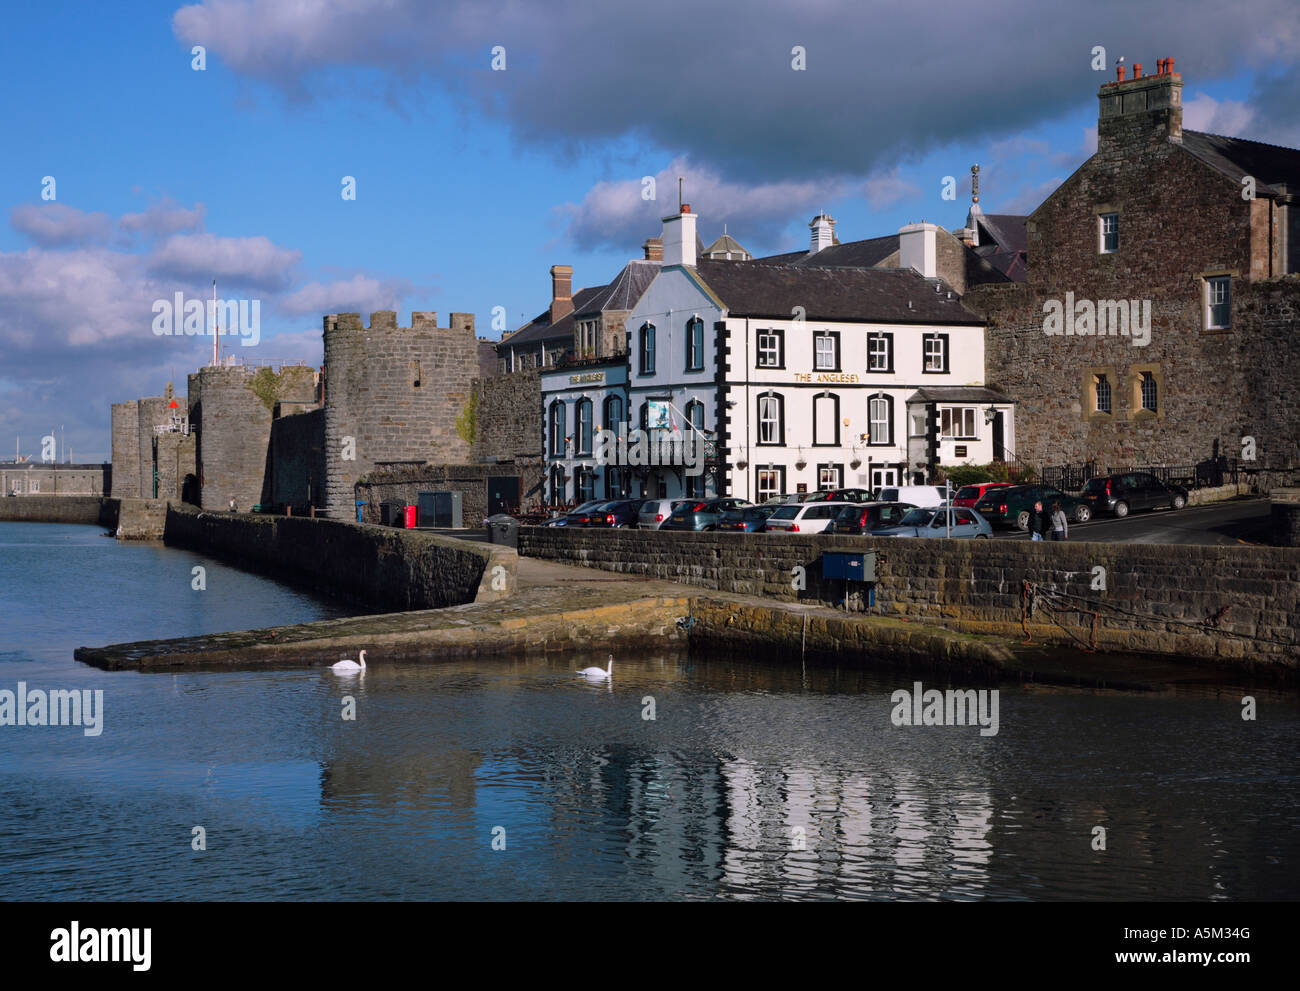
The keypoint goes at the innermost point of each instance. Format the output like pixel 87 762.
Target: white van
pixel 924 496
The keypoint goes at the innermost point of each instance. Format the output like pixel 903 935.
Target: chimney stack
pixel 654 249
pixel 561 291
pixel 917 248
pixel 823 232
pixel 1141 109
pixel 679 238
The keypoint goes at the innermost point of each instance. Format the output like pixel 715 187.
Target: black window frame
pixel 646 349
pixel 557 423
pixel 947 354
pixel 780 419
pixel 779 334
pixel 834 335
pixel 583 441
pixel 694 352
pixel 888 338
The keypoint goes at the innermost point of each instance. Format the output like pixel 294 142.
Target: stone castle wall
pixel 150 412
pixel 509 416
pixel 298 460
pixel 230 408
pixel 396 392
pixel 126 450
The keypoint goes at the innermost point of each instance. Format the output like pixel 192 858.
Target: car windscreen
pixel 917 517
pixel 786 512
pixel 967 492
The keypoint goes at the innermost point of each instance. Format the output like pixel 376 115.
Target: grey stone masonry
pixel 393 394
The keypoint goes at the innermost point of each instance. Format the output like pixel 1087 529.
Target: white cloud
pixel 359 294
pixel 885 190
pixel 52 225
pixel 1228 117
pixel 245 262
pixel 163 218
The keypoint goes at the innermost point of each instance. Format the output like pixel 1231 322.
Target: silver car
pixel 653 512
pixel 948 521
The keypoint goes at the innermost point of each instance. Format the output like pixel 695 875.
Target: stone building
pixel 1157 322
pixel 393 394
pixel 153 449
pixel 46 478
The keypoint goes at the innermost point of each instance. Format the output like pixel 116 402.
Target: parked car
pixel 621 514
pixel 1011 506
pixel 701 514
pixel 785 499
pixel 917 495
pixel 653 512
pixel 867 517
pixel 944 521
pixel 750 519
pixel 968 495
pixel 806 517
pixel 1121 494
pixel 577 516
pixel 840 495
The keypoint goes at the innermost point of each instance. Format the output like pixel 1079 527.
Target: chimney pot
pixel 686 208
pixel 1120 71
pixel 1137 70
pixel 1169 65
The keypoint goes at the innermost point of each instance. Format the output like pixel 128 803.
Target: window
pixel 1148 388
pixel 557 429
pixel 1218 302
pixel 916 422
pixel 694 344
pixel 771 349
pixel 771 483
pixel 34 485
pixel 614 488
pixel 584 426
pixel 958 423
pixel 695 486
pixel 935 350
pixel 613 415
pixel 826 351
pixel 880 352
pixel 558 488
pixel 830 477
pixel 587 339
pixel 695 414
pixel 1103 394
pixel 647 349
pixel 585 483
pixel 826 420
pixel 770 429
pixel 1108 227
pixel 880 421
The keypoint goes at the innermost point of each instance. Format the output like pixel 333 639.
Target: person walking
pixel 1060 525
pixel 1037 522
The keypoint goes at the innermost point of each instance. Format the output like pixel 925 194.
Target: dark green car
pixel 1011 505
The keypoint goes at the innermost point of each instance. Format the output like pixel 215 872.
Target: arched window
pixel 694 344
pixel 880 420
pixel 1150 392
pixel 647 349
pixel 584 427
pixel 559 493
pixel 695 414
pixel 771 419
pixel 613 415
pixel 557 428
pixel 826 419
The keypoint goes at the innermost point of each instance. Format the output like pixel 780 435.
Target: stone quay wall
pixel 385 568
pixel 1232 604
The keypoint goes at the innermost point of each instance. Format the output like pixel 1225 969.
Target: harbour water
pixel 513 779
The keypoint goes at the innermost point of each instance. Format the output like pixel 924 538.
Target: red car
pixel 968 495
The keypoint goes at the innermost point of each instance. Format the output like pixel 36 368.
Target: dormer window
pixel 1108 231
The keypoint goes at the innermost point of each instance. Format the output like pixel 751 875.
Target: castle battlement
pixel 387 320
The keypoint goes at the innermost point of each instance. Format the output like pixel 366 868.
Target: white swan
pixel 599 674
pixel 350 667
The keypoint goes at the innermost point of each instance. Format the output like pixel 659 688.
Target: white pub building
pixel 798 377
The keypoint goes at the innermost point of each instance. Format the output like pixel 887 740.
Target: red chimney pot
pixel 1120 70
pixel 1137 70
pixel 686 208
pixel 1169 65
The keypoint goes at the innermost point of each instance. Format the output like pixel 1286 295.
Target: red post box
pixel 412 517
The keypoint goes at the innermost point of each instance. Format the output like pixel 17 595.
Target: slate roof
pixel 852 254
pixel 864 295
pixel 1237 157
pixel 724 244
pixel 958 394
pixel 540 327
pixel 624 292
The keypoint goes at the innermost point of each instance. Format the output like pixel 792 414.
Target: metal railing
pixel 1204 474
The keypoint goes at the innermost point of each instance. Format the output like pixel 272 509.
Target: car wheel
pixel 1121 509
pixel 981 536
pixel 1178 502
pixel 1022 519
pixel 1082 514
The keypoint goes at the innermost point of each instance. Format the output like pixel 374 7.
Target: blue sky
pixel 472 183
